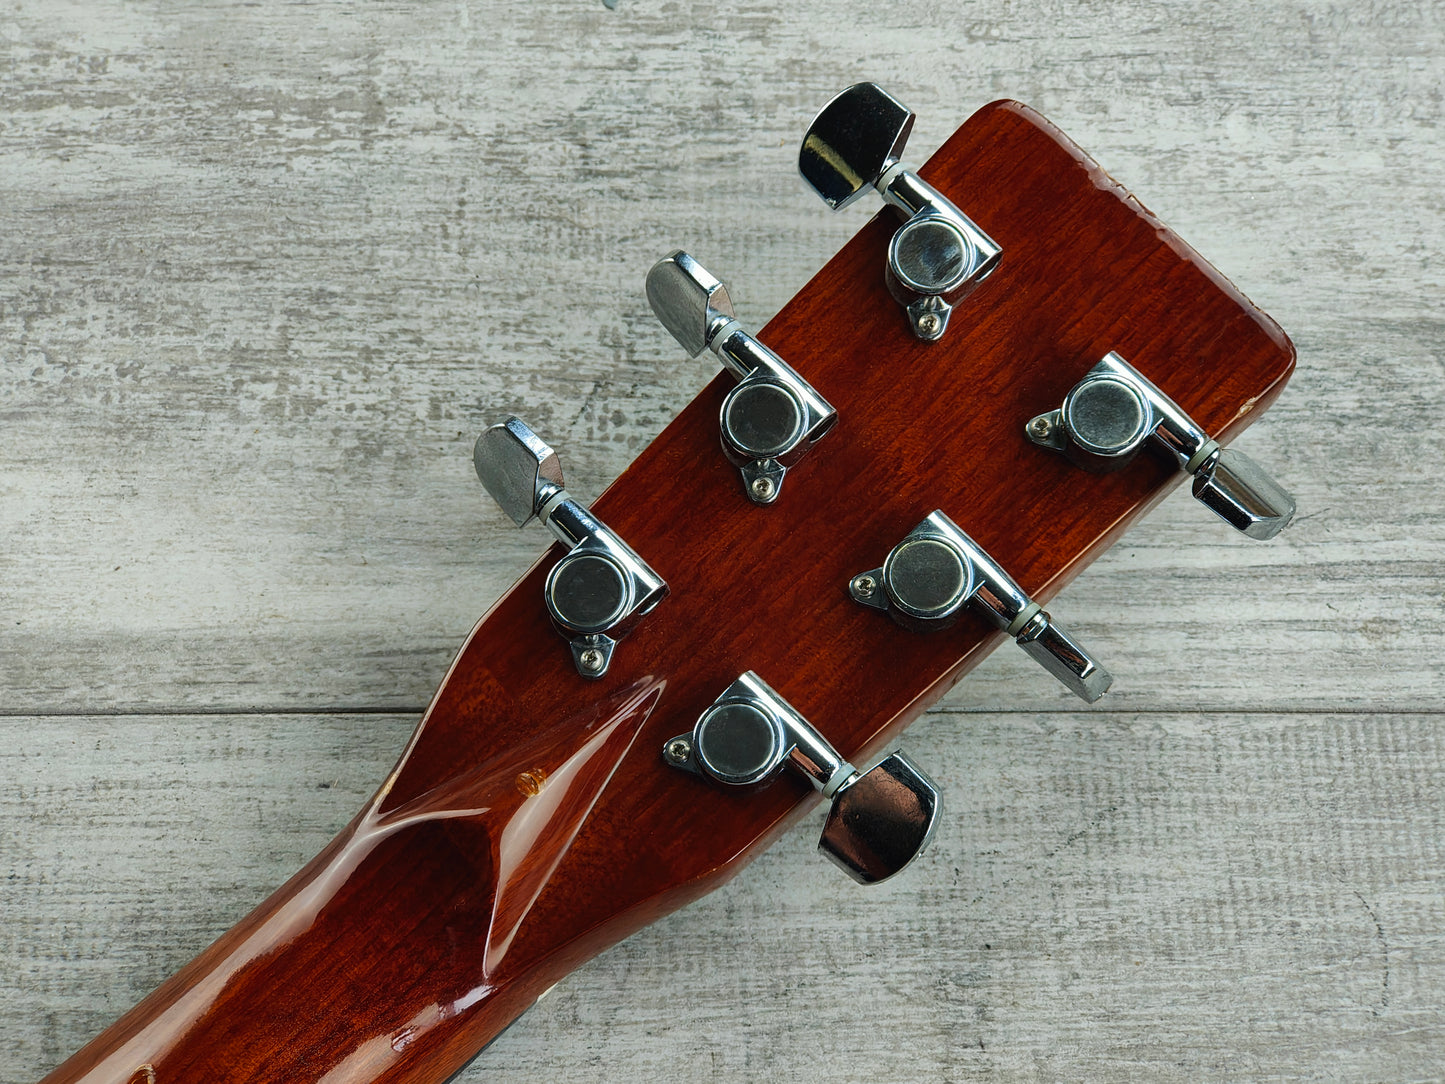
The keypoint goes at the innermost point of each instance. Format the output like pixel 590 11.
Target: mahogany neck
pixel 403 930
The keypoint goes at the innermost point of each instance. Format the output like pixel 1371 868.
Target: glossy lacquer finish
pixel 519 835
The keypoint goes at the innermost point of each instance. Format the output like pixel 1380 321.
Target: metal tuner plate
pixel 937 570
pixel 879 820
pixel 773 417
pixel 939 255
pixel 1109 415
pixel 600 589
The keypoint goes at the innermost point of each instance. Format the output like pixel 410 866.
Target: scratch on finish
pixel 1384 952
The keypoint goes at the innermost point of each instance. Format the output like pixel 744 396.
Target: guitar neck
pixel 387 956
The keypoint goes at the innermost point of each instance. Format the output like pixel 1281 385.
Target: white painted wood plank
pixel 132 842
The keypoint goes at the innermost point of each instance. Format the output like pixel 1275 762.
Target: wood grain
pixel 250 327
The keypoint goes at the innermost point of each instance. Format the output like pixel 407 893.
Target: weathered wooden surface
pixel 265 270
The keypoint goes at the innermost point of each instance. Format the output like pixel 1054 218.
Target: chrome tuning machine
pixel 937 570
pixel 599 590
pixel 879 821
pixel 773 416
pixel 1110 414
pixel 938 255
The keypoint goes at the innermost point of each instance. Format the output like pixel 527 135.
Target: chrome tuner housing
pixel 937 570
pixel 773 417
pixel 939 255
pixel 1109 415
pixel 600 589
pixel 879 820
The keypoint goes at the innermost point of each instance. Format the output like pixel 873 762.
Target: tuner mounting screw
pixel 1041 427
pixel 591 660
pixel 763 488
pixel 678 751
pixel 928 324
pixel 864 586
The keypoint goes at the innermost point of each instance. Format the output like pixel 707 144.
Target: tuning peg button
pixel 937 570
pixel 1115 410
pixel 601 588
pixel 773 417
pixel 939 254
pixel 880 819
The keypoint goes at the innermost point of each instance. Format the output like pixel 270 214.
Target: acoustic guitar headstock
pixel 865 501
pixel 972 400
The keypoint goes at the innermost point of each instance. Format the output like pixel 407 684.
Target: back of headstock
pixel 545 796
pixel 921 425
